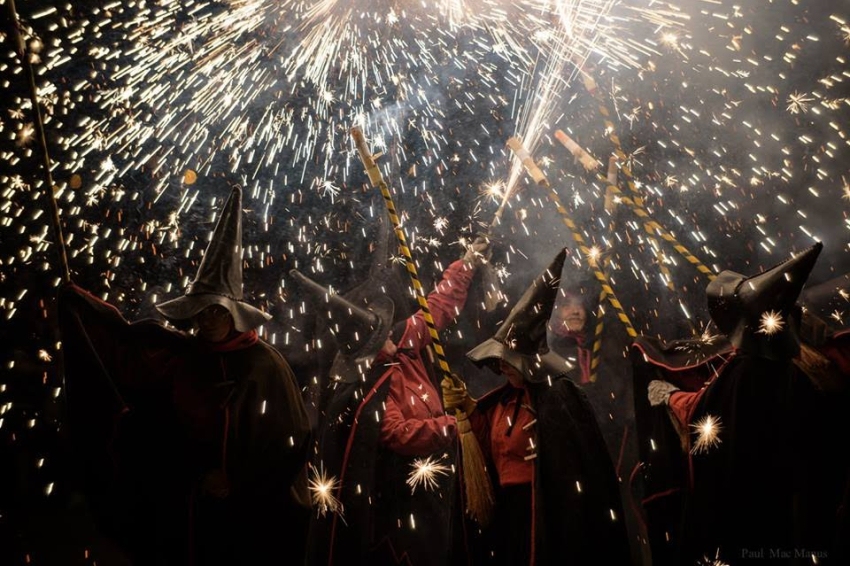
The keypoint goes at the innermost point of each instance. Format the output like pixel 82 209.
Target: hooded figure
pixel 760 471
pixel 382 421
pixel 556 495
pixel 219 277
pixel 598 346
pixel 192 448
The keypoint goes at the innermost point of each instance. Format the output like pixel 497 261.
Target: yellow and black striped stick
pixel 636 203
pixel 478 489
pixel 534 171
pixel 377 180
pixel 652 227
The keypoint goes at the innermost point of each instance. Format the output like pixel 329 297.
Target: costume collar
pixel 238 342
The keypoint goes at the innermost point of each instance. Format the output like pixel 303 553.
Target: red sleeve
pixel 445 303
pixel 414 436
pixel 682 405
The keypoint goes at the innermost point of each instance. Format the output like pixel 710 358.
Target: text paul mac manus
pixel 774 553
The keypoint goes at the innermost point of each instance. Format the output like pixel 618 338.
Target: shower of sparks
pixel 322 488
pixel 770 322
pixel 425 473
pixel 708 434
pixel 150 108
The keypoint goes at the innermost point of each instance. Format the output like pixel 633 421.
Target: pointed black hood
pixel 219 277
pixel 521 338
pixel 360 323
pixel 740 306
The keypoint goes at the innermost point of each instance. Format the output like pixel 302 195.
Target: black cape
pixel 152 413
pixel 663 474
pixel 381 521
pixel 771 490
pixel 570 527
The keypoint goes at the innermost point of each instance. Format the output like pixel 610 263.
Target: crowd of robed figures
pixel 197 448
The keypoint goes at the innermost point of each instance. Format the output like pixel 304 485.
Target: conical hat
pixel 219 277
pixel 521 338
pixel 360 323
pixel 759 314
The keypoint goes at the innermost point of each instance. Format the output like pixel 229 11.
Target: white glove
pixel 659 392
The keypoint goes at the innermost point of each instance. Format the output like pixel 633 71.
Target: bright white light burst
pixel 708 430
pixel 425 473
pixel 322 488
pixel 771 322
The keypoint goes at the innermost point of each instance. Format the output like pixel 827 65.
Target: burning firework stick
pixel 637 203
pixel 588 161
pixel 534 171
pixel 479 491
pixel 489 277
pixel 18 41
pixel 612 191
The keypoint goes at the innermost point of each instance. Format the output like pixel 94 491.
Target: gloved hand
pixel 455 398
pixel 478 252
pixel 659 392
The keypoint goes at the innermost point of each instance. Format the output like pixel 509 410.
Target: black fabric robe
pixel 374 526
pixel 769 490
pixel 772 489
pixel 153 414
pixel 568 526
pixel 611 396
pixel 664 471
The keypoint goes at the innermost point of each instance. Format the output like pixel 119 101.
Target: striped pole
pixel 650 226
pixel 534 171
pixel 596 352
pixel 478 489
pixel 377 180
pixel 636 203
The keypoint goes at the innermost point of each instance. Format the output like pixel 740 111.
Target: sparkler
pixel 425 473
pixel 770 323
pixel 322 489
pixel 708 431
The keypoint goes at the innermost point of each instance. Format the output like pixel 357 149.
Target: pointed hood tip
pixel 219 277
pixel 365 321
pixel 741 306
pixel 521 338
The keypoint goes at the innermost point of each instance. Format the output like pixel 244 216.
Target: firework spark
pixel 708 434
pixel 770 323
pixel 799 103
pixel 425 472
pixel 708 561
pixel 322 488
